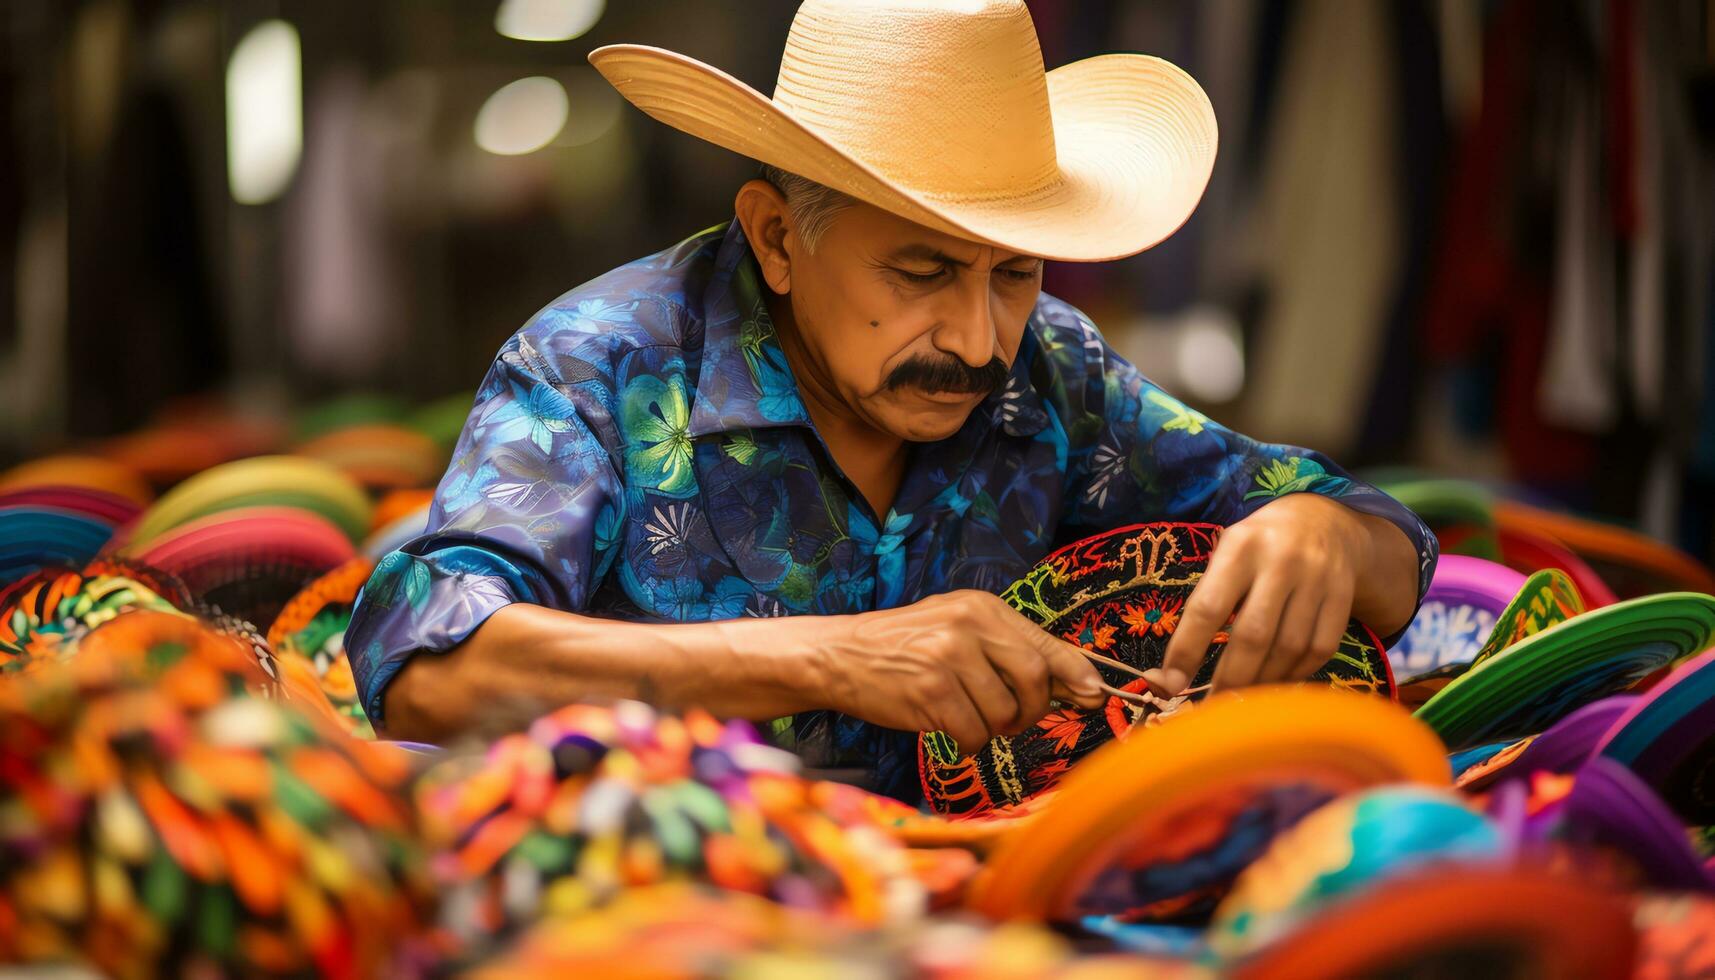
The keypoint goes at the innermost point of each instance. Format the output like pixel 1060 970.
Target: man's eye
pixel 1019 275
pixel 922 278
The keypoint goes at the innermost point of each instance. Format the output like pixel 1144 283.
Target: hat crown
pixel 948 97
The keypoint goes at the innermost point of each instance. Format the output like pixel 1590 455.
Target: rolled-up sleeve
pixel 1144 455
pixel 518 517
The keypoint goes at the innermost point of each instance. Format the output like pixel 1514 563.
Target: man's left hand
pixel 1293 571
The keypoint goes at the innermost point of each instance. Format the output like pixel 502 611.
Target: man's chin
pixel 932 426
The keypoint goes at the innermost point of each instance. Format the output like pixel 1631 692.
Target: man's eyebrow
pixel 925 253
pixel 929 253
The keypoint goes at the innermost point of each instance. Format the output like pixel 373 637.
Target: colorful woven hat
pixel 162 822
pixel 380 456
pixel 1667 737
pixel 91 472
pixel 263 481
pixel 1118 594
pixel 1539 680
pixel 1161 822
pixel 1530 552
pixel 1546 598
pixel 1633 564
pixel 1609 807
pixel 312 627
pixel 1461 513
pixel 1465 600
pixel 165 456
pixel 347 411
pixel 1460 922
pixel 111 509
pixel 43 623
pixel 187 441
pixel 34 537
pixel 249 561
pixel 1351 844
pixel 161 583
pixel 1566 745
pixel 443 419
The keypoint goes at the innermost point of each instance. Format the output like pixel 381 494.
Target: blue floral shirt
pixel 639 451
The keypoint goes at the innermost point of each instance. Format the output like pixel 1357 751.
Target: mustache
pixel 949 375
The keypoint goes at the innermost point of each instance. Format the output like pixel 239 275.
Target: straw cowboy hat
pixel 939 111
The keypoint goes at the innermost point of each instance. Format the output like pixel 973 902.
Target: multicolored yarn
pixel 592 801
pixel 157 818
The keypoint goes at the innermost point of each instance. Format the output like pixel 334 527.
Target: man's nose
pixel 966 330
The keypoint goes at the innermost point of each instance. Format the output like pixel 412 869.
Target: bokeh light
pixel 264 112
pixel 1210 356
pixel 547 20
pixel 522 117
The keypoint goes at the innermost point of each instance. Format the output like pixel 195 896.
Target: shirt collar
pixel 745 383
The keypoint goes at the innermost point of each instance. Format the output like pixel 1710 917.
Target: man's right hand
pixel 964 663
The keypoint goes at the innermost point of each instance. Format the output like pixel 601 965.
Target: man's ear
pixel 766 220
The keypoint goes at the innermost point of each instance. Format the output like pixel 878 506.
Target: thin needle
pixel 1131 696
pixel 1111 662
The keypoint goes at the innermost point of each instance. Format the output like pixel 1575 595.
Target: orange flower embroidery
pixel 1091 633
pixel 1064 726
pixel 1156 615
pixel 1048 772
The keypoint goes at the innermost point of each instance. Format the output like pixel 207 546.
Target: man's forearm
pixel 528 659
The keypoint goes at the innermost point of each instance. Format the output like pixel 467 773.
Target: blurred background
pixel 1469 237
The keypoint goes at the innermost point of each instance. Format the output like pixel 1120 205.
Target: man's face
pixel 909 328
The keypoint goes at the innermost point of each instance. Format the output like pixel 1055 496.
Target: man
pixel 779 470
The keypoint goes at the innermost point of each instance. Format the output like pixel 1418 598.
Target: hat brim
pixel 1135 139
pixel 1163 795
pixel 1537 681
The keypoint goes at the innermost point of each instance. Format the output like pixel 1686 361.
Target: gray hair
pixel 813 205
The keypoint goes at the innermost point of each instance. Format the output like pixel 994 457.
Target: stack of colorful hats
pixel 204 498
pixel 593 801
pixel 63 510
pixel 165 809
pixel 247 535
pixel 188 784
pixel 1605 561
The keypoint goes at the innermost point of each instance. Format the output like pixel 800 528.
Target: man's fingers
pixel 1053 659
pixel 1210 606
pixel 1252 634
pixel 1331 622
pixel 1026 675
pixel 988 693
pixel 1013 651
pixel 1292 638
pixel 1068 665
pixel 961 722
